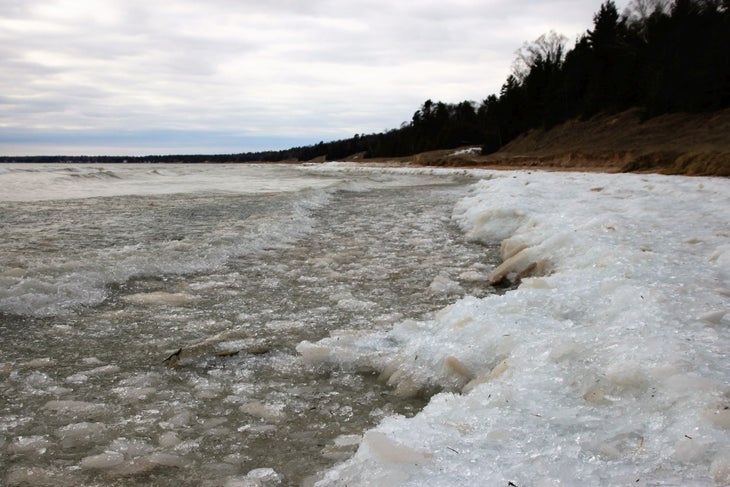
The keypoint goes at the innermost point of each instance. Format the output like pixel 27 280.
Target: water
pixel 97 291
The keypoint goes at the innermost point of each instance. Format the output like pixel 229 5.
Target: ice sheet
pixel 606 366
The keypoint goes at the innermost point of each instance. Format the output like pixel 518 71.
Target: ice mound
pixel 607 365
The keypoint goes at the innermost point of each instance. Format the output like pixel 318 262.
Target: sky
pixel 137 77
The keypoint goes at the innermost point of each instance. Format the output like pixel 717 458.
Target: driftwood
pixel 260 349
pixel 227 353
pixel 173 358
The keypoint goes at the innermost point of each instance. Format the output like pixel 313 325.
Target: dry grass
pixel 690 144
pixel 688 163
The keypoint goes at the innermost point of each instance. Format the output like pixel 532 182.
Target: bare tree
pixel 640 10
pixel 548 48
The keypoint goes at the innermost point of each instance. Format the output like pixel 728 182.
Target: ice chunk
pixel 713 317
pixel 352 304
pixel 444 285
pixel 39 380
pixel 133 394
pixel 488 224
pixel 160 298
pixel 282 325
pixel 102 461
pixel 26 444
pixel 77 434
pixel 91 361
pixel 264 411
pixel 39 363
pixel 77 379
pixel 241 482
pixel 103 370
pixel 187 446
pixel 534 283
pixel 169 439
pixel 208 390
pixel 166 460
pixel 130 447
pixel 143 465
pixel 312 353
pixel 520 265
pixel 20 476
pixel 390 451
pixel 473 276
pixel 347 440
pixel 182 419
pixel 76 408
pixel 265 476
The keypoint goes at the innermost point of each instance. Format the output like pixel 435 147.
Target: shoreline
pixel 600 358
pixel 675 144
pixel 690 144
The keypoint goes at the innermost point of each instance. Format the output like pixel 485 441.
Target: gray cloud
pixel 285 68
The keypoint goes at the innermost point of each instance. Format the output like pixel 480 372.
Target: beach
pixel 524 327
pixel 604 367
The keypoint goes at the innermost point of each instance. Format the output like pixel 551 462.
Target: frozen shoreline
pixel 227 283
pixel 607 369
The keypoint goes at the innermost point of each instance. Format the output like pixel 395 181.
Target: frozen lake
pixel 338 329
pixel 105 271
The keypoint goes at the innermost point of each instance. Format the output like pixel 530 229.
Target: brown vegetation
pixel 680 143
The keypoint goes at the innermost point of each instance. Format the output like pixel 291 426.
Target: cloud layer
pixel 231 71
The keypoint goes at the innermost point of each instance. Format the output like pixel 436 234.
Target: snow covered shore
pixel 607 366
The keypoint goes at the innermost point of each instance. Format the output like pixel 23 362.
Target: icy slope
pixel 607 366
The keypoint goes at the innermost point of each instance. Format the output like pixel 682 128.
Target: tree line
pixel 661 56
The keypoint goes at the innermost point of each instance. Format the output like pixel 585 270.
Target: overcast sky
pixel 219 76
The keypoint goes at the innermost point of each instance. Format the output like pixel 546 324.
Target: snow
pixel 469 151
pixel 606 365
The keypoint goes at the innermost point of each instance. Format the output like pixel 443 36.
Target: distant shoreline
pixel 680 143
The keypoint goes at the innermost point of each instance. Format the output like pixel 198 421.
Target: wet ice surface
pixel 85 398
pixel 607 366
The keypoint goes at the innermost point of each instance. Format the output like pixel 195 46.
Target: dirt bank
pixel 691 144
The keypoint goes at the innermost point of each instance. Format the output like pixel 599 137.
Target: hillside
pixel 660 61
pixel 679 143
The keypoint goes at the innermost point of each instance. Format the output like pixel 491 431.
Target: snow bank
pixel 606 366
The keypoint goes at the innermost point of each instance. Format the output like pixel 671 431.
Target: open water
pixel 149 315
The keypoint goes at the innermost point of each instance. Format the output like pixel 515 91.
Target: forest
pixel 659 56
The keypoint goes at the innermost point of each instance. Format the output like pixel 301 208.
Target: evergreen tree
pixel 658 56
